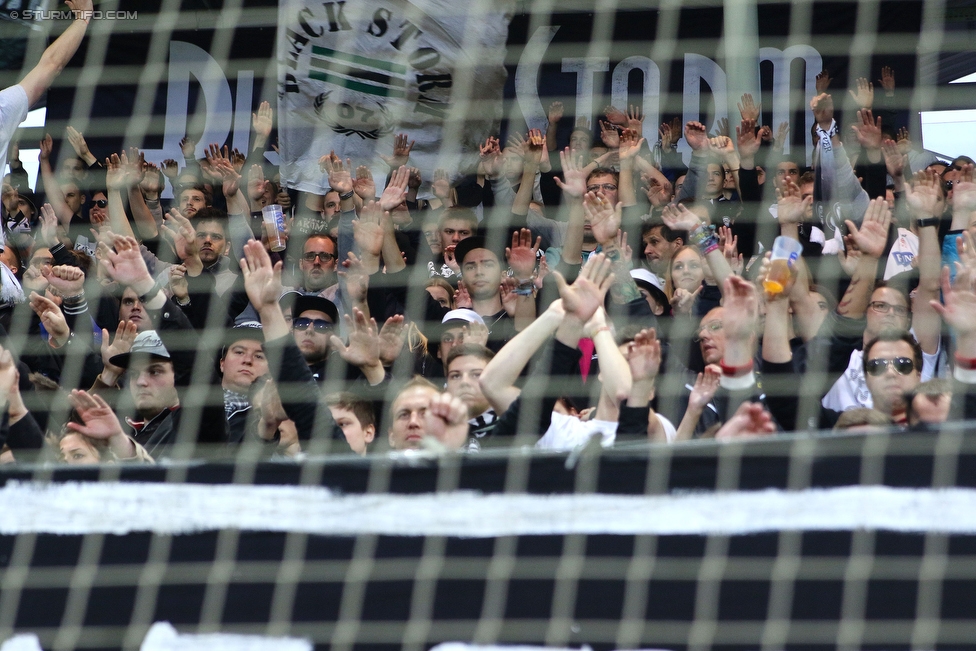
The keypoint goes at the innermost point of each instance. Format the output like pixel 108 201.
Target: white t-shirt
pixel 850 391
pixel 13 111
pixel 903 251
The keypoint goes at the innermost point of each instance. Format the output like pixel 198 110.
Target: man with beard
pixel 318 265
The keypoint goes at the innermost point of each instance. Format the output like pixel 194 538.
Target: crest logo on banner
pixel 350 75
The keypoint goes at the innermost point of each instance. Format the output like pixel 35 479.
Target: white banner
pixel 352 75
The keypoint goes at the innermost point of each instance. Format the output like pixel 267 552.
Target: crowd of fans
pixel 550 296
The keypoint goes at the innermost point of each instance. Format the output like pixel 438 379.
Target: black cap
pixel 245 330
pixel 469 244
pixel 304 302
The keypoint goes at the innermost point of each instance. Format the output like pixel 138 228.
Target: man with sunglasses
pixel 892 369
pixel 313 321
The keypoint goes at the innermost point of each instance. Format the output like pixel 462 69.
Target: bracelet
pixel 928 221
pixel 735 371
pixel 525 288
pixel 734 170
pixel 348 195
pixel 968 363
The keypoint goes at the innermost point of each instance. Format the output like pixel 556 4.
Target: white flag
pixel 351 75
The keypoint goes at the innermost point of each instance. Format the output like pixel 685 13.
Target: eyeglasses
pixel 609 187
pixel 711 328
pixel 883 308
pixel 321 325
pixel 902 366
pixel 101 203
pixel 324 257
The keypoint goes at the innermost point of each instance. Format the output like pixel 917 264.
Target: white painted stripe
pixel 119 508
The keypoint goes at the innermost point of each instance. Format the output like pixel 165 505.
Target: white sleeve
pixel 669 430
pixel 13 111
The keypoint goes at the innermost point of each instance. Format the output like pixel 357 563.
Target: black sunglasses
pixel 321 325
pixel 902 366
pixel 101 203
pixel 325 257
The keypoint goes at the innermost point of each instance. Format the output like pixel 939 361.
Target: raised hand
pixel 748 109
pixel 904 139
pixel 887 80
pixel 609 134
pixel 170 169
pixel 46 146
pixel 49 226
pixel 705 387
pixel 462 298
pixel 893 158
pixel 51 317
pixel 730 248
pixel 782 133
pixel 125 335
pixel 98 419
pixel 555 113
pixel 643 355
pixel 791 206
pixel 363 185
pixel 357 280
pixel 368 229
pixel 682 301
pixel 849 255
pixel 188 146
pixel 630 144
pixel 604 218
pixel 635 119
pixel 721 128
pixel 924 194
pixel 679 218
pixel 964 190
pixel 364 341
pixel 491 156
pixel 740 308
pixel 339 177
pixel 263 120
pixel 392 335
pixel 872 236
pixel 868 131
pixel 696 136
pixel 522 254
pixel 823 81
pixel 450 260
pixel 78 143
pixel 178 284
pixel 534 146
pixel 864 96
pixel 959 308
pixel 401 152
pixel 823 110
pixel 396 191
pixel 574 182
pixel 262 282
pixel 183 234
pixel 751 420
pixel 126 266
pixel 615 115
pixel 586 294
pixel 747 139
pixel 414 179
pixel 446 420
pixel 66 279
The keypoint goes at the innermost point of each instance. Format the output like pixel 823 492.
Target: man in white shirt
pixel 17 99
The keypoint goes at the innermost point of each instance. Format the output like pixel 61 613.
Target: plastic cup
pixel 274 225
pixel 786 251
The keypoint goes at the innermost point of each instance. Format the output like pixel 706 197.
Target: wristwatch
pixel 928 221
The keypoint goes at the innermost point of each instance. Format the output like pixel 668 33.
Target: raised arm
pixel 923 200
pixel 678 217
pixel 573 187
pixel 58 54
pixel 870 240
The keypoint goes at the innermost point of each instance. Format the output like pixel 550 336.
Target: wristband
pixel 928 221
pixel 151 294
pixel 525 288
pixel 735 371
pixel 348 195
pixel 967 363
